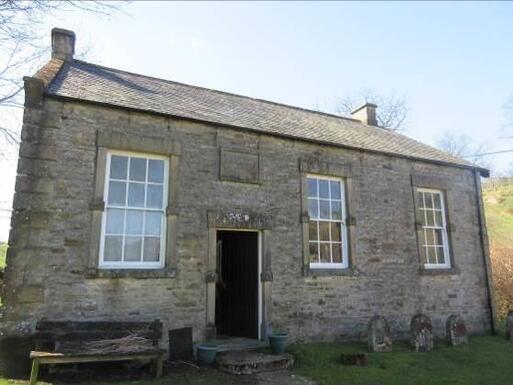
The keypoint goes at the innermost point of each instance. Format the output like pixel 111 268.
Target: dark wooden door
pixel 237 289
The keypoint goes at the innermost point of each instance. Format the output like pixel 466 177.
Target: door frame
pixel 240 220
pixel 259 282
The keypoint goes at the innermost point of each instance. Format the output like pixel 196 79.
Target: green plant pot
pixel 278 342
pixel 206 354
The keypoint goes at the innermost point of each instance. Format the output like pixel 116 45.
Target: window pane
pixel 151 249
pixel 336 252
pixel 438 203
pixel 118 167
pixel 312 187
pixel 312 231
pixel 441 255
pixel 133 248
pixel 324 209
pixel 115 219
pixel 429 237
pixel 438 238
pixel 324 231
pixel 156 171
pixel 336 231
pixel 324 189
pixel 153 221
pixel 154 199
pixel 428 200
pixel 134 222
pixel 313 208
pixel 117 192
pixel 138 169
pixel 429 218
pixel 335 190
pixel 438 218
pixel 430 255
pixel 112 248
pixel 325 252
pixel 136 195
pixel 336 210
pixel 314 252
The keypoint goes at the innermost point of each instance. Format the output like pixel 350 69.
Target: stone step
pixel 237 344
pixel 253 362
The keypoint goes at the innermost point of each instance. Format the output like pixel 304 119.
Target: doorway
pixel 237 289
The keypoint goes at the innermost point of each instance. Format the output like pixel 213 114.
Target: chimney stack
pixel 366 114
pixel 63 44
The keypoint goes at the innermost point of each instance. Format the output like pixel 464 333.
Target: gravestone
pixel 509 325
pixel 421 333
pixel 353 359
pixel 456 330
pixel 378 334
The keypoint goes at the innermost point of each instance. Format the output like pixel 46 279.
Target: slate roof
pixel 93 83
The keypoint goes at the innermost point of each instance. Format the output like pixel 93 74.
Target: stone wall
pixel 47 261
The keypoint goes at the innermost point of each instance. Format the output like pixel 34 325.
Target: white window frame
pixel 135 264
pixel 342 221
pixel 445 238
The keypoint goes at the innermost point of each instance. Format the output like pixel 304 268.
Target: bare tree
pixel 22 48
pixel 391 113
pixel 464 147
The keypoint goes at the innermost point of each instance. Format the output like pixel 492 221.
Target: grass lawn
pixel 486 360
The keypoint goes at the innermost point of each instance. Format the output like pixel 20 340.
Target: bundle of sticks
pixel 130 344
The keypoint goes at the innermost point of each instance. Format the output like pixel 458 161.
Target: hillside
pixel 498 201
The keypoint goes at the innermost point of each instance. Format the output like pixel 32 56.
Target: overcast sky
pixel 452 62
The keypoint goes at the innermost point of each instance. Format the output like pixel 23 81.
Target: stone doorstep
pixel 253 362
pixel 238 344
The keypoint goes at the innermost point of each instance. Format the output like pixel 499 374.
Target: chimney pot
pixel 366 113
pixel 63 44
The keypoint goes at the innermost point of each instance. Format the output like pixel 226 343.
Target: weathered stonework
pixel 421 333
pixel 378 337
pixel 456 331
pixel 51 265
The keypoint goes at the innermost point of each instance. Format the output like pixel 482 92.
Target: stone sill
pixel 348 272
pixel 132 273
pixel 449 271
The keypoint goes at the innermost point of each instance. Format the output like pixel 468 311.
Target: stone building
pixel 139 198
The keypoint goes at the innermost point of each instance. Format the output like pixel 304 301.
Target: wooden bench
pixel 64 342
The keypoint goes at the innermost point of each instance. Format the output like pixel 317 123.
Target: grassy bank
pixel 499 218
pixel 485 360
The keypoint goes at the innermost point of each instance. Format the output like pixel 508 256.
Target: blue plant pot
pixel 278 342
pixel 206 354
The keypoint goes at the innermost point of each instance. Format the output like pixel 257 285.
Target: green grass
pixel 3 252
pixel 486 360
pixel 499 215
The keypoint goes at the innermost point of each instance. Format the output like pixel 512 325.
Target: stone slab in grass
pixel 353 359
pixel 253 362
